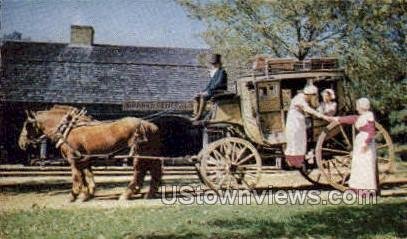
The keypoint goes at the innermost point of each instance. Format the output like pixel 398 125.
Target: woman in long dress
pixel 363 177
pixel 328 105
pixel 295 129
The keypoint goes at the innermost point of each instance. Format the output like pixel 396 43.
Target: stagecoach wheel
pixel 230 163
pixel 334 153
pixel 311 172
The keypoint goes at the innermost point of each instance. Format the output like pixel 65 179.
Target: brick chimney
pixel 82 35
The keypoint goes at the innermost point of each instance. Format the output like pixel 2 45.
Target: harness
pixel 68 122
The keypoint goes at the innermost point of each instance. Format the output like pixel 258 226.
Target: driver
pixel 217 83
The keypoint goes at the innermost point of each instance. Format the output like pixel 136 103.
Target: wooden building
pixel 110 81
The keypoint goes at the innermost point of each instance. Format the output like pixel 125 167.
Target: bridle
pixel 34 140
pixel 60 133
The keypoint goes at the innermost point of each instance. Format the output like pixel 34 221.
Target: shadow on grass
pixel 339 222
pixel 383 220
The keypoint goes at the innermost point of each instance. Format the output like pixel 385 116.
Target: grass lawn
pixel 387 219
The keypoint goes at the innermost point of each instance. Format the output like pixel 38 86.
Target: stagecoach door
pixel 270 111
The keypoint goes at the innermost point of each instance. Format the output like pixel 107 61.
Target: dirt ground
pixel 24 197
pixel 107 195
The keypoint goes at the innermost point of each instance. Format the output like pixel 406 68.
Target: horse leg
pixel 76 182
pixel 136 182
pixel 90 180
pixel 155 167
pixel 88 184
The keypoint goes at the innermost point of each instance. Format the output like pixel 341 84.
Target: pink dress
pixel 364 167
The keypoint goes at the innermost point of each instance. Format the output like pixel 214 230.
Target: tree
pixel 14 36
pixel 369 38
pixel 297 29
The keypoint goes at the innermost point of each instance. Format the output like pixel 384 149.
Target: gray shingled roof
pixel 55 72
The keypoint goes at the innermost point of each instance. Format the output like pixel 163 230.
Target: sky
pixel 116 22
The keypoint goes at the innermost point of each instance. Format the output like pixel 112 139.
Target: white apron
pixel 363 171
pixel 295 129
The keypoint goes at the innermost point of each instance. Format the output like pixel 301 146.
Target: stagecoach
pixel 244 130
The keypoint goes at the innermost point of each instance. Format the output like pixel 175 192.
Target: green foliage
pixel 281 28
pixel 369 38
pixel 384 220
pixel 399 120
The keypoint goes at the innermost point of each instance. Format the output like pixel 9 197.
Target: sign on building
pixel 157 105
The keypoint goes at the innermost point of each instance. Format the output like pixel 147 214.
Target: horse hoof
pixel 149 196
pixel 86 198
pixel 72 198
pixel 124 197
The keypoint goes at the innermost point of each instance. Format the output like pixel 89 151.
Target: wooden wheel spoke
pixel 383 159
pixel 232 155
pixel 212 177
pixel 213 161
pixel 249 185
pixel 228 147
pixel 222 148
pixel 337 142
pixel 336 168
pixel 222 180
pixel 218 154
pixel 335 151
pixel 343 163
pixel 345 136
pixel 215 169
pixel 236 152
pixel 218 167
pixel 382 146
pixel 250 174
pixel 245 159
pixel 319 177
pixel 328 167
pixel 379 135
pixel 240 153
pixel 232 179
pixel 344 178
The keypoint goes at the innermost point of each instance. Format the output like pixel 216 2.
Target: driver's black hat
pixel 214 58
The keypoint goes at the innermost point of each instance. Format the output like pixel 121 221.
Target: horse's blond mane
pixel 63 107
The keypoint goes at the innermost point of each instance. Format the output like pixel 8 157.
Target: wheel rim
pixel 230 163
pixel 311 172
pixel 334 153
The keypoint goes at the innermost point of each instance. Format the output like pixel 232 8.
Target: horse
pixel 86 137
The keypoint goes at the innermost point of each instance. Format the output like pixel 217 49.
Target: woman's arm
pixel 311 111
pixel 350 119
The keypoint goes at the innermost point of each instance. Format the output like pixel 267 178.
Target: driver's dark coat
pixel 217 83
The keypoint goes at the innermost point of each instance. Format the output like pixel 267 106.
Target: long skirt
pixel 296 138
pixel 364 166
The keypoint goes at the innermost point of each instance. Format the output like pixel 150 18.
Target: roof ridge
pixel 105 45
